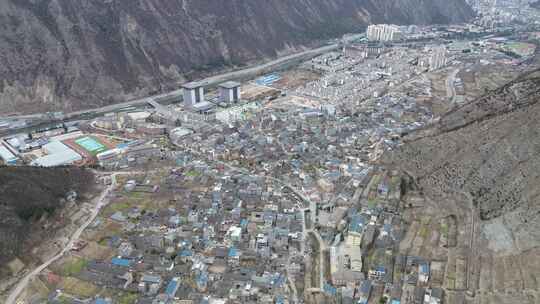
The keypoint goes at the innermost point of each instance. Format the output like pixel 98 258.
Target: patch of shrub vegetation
pixel 29 193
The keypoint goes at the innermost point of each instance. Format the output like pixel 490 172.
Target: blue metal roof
pixel 278 280
pixel 244 223
pixel 186 253
pixel 329 289
pixel 268 79
pixel 202 278
pixel 172 287
pixel 233 252
pixel 424 268
pixel 120 262
pixel 365 288
pixel 381 269
pixel 357 223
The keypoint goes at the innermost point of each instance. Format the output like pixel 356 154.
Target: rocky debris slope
pixel 488 150
pixel 73 54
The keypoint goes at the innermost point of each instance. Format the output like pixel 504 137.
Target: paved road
pixel 472 267
pixel 451 85
pixel 210 81
pixel 322 248
pixel 291 282
pixel 100 202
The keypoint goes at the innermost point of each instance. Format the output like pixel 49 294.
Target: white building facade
pixel 384 32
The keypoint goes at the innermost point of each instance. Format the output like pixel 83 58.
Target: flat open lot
pixel 295 78
pixel 252 91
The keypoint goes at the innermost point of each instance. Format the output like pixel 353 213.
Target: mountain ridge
pixel 70 55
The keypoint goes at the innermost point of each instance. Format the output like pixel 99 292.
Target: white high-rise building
pixel 230 92
pixel 438 58
pixel 193 94
pixel 384 32
pixel 194 97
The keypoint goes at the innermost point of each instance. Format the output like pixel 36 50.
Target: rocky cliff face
pixel 73 54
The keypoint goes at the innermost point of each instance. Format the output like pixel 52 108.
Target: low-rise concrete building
pixel 6 156
pixel 57 154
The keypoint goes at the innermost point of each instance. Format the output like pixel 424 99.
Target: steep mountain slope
pixel 72 54
pixel 488 151
pixel 30 194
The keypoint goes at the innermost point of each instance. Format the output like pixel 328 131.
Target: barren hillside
pixel 487 150
pixel 73 54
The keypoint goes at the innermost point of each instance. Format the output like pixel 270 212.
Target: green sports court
pixel 91 145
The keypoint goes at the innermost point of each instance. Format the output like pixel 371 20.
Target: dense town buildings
pixel 272 190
